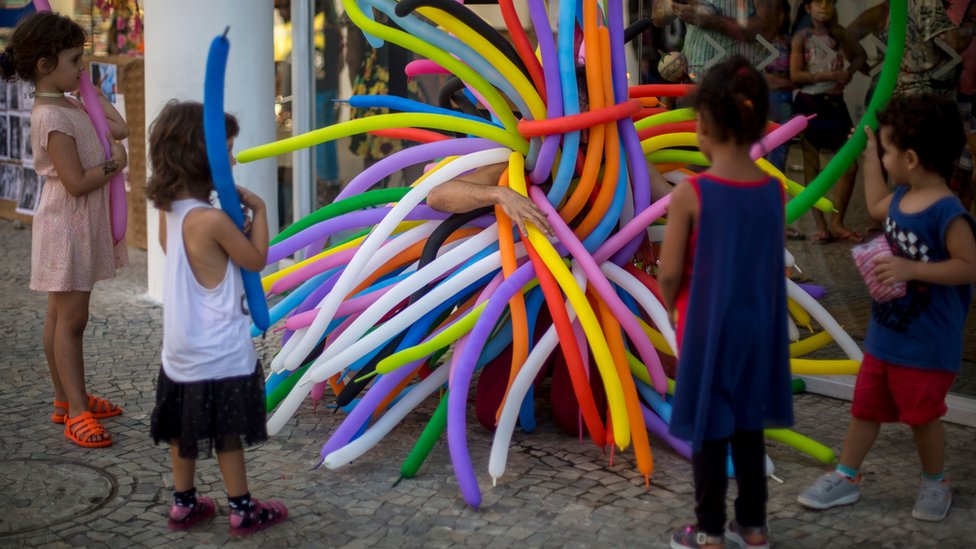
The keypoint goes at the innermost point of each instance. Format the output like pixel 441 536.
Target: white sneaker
pixel 830 490
pixel 934 500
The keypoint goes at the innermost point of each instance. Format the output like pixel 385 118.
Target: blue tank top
pixel 733 366
pixel 922 329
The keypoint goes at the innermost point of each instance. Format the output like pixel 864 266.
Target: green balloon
pixel 281 391
pixel 335 209
pixel 435 428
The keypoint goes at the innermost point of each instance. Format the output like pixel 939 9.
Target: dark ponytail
pixel 7 64
pixel 734 97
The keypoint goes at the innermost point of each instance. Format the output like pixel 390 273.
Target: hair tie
pixel 742 71
pixel 747 103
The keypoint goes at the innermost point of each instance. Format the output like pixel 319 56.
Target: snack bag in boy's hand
pixel 864 257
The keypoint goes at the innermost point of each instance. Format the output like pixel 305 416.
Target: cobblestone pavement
pixel 557 492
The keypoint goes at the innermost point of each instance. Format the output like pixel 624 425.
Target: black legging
pixel 711 482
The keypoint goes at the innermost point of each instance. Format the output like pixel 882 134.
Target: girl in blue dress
pixel 722 278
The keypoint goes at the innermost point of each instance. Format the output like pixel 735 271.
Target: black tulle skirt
pixel 223 415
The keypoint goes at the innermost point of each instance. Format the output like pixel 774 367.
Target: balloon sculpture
pixel 382 307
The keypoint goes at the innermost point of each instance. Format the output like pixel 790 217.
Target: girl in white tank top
pixel 210 390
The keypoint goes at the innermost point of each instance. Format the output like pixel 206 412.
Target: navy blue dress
pixel 733 366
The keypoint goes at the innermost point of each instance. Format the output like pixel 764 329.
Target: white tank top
pixel 206 332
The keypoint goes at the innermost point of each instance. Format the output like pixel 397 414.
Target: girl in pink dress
pixel 72 239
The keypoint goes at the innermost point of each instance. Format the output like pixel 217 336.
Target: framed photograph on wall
pixel 13 95
pixel 14 137
pixel 30 191
pixel 105 77
pixel 27 151
pixel 4 138
pixel 9 182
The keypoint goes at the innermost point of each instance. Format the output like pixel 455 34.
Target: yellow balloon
pixel 594 334
pixel 669 141
pixel 381 122
pixel 808 367
pixel 799 314
pixel 804 444
pixel 810 344
pixel 792 187
pixel 677 115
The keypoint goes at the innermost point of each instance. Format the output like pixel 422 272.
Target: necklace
pixel 49 94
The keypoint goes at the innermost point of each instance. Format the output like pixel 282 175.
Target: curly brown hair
pixel 41 35
pixel 178 153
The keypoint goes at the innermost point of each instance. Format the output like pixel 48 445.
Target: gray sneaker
pixel 934 500
pixel 830 490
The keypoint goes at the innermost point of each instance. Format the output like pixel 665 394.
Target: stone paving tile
pixel 556 492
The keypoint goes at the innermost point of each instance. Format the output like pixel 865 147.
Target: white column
pixel 178 35
pixel 303 106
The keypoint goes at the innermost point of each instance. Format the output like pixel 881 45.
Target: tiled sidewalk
pixel 557 492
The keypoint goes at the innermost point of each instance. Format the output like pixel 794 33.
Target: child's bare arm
pixel 876 195
pixel 680 222
pixel 960 268
pixel 248 251
pixel 63 152
pixel 162 230
pixel 117 125
pixel 659 186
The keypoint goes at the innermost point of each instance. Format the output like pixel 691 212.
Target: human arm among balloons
pixel 479 188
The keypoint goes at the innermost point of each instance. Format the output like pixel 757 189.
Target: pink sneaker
pixel 184 518
pixel 263 515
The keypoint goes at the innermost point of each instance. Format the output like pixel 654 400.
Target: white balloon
pixel 646 299
pixel 353 272
pixel 822 317
pixel 390 419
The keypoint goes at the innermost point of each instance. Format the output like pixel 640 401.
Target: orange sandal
pixel 99 408
pixel 82 428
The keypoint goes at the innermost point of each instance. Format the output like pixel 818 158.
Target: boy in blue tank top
pixel 914 343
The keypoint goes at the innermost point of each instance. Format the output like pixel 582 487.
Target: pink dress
pixel 72 236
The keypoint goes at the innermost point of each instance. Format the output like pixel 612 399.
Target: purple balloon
pixel 554 96
pixel 410 156
pixel 815 291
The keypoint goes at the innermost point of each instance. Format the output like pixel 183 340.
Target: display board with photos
pixel 20 186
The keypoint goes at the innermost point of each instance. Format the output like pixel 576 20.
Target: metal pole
pixel 303 105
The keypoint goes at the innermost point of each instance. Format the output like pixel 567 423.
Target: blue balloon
pixel 223 180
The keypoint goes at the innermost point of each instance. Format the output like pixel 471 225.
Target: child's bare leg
pixel 930 441
pixel 183 469
pixel 233 470
pixel 861 435
pixel 71 314
pixel 50 325
pixel 811 166
pixel 842 197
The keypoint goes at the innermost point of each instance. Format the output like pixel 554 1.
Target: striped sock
pixel 848 472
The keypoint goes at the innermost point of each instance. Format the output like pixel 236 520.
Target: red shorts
pixel 886 393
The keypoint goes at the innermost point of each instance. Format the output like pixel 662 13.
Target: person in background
pixel 817 66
